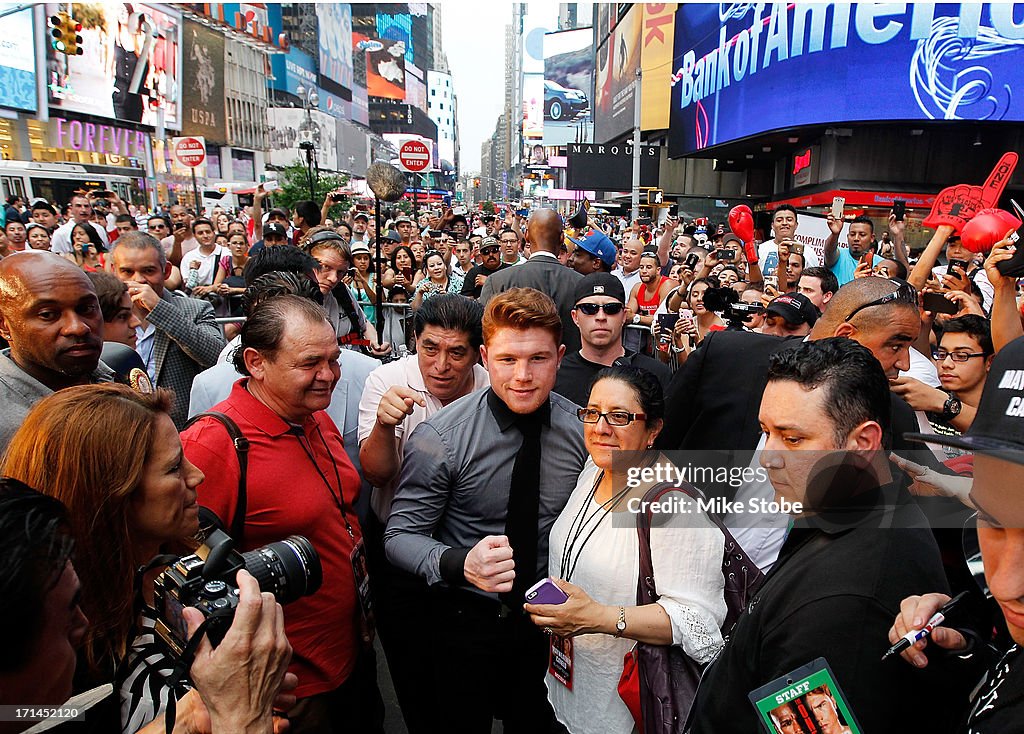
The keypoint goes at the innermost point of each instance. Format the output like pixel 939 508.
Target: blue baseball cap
pixel 598 245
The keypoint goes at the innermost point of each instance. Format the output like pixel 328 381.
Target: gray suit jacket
pixel 187 341
pixel 548 276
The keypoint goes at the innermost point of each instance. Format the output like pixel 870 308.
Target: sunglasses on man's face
pixel 489 250
pixel 591 309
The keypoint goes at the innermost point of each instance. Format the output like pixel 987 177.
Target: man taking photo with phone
pixel 860 240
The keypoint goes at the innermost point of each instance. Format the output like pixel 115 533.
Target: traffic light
pixel 65 31
pixel 655 197
pixel 476 183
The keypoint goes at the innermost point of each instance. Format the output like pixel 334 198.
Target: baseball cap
pixel 360 248
pixel 598 245
pixel 402 220
pixel 998 427
pixel 795 308
pixel 278 212
pixel 730 238
pixel 362 215
pixel 274 229
pixel 392 235
pixel 599 284
pixel 488 242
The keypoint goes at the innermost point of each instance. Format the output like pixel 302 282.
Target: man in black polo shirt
pixel 600 315
pixel 857 548
pixel 490 257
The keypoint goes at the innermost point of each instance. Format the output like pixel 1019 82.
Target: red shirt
pixel 286 496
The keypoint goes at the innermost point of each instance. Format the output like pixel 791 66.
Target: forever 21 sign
pixel 594 167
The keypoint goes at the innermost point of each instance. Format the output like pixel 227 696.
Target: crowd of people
pixel 462 414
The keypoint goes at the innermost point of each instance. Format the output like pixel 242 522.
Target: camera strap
pixel 179 681
pixel 241 444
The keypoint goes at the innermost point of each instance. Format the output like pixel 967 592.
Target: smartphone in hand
pixel 838 205
pixel 938 303
pixel 546 591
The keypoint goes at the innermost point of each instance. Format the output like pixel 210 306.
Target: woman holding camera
pixel 433 279
pixel 113 457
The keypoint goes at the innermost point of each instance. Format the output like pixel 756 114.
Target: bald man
pixel 544 272
pixel 50 316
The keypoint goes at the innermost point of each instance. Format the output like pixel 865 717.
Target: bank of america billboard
pixel 747 68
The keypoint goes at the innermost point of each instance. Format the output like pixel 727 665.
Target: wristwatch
pixel 636 318
pixel 951 408
pixel 620 625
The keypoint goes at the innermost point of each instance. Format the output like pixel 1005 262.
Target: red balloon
pixel 987 228
pixel 741 222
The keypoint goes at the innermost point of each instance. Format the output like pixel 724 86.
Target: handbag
pixel 659 682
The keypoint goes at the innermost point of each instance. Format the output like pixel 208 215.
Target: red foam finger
pixel 997 180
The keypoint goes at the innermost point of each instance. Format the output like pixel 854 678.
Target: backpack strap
pixel 241 444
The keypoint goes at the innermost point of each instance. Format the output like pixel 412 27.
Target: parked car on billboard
pixel 561 103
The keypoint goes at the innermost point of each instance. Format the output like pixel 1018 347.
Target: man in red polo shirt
pixel 299 481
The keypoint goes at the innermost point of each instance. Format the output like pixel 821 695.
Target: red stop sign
pixel 190 152
pixel 414 156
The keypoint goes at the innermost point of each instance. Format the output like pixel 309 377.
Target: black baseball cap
pixel 361 215
pixel 600 284
pixel 274 229
pixel 998 427
pixel 795 308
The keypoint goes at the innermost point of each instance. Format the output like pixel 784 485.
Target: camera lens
pixel 289 568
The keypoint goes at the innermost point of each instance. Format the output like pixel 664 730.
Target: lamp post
pixel 309 136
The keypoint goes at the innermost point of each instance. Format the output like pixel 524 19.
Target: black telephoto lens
pixel 289 568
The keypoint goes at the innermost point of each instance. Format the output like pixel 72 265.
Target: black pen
pixel 914 635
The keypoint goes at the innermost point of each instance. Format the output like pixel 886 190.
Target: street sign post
pixel 191 152
pixel 414 157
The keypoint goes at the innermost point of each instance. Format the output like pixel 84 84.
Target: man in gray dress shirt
pixel 448 520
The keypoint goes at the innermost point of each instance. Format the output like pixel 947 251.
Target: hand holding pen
pixel 919 621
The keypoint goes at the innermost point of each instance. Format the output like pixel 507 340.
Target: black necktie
pixel 523 509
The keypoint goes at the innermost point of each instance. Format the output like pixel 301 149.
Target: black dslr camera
pixel 727 302
pixel 289 568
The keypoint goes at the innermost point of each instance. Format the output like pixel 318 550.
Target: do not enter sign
pixel 190 152
pixel 414 156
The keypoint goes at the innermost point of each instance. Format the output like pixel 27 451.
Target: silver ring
pixel 548 631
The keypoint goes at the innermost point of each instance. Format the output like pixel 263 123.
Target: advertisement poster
pixel 568 86
pixel 617 62
pixel 921 61
pixel 658 35
pixel 335 22
pixel 203 83
pixel 18 61
pixel 285 137
pixel 533 107
pixel 130 69
pixel 397 28
pixel 385 69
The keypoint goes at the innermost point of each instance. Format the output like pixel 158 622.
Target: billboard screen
pixel 610 167
pixel 920 61
pixel 397 28
pixel 202 81
pixel 335 44
pixel 18 61
pixel 656 62
pixel 568 86
pixel 285 137
pixel 533 107
pixel 385 68
pixel 617 61
pixel 131 67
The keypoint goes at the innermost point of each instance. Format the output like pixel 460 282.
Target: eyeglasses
pixel 904 293
pixel 939 355
pixel 616 418
pixel 508 240
pixel 591 309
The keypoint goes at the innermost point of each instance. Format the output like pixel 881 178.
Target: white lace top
pixel 687 556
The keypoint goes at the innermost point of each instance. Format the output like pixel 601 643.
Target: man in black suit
pixel 713 400
pixel 544 272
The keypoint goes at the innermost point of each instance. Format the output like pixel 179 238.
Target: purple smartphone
pixel 545 592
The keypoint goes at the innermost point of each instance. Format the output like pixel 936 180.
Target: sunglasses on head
pixel 904 293
pixel 591 309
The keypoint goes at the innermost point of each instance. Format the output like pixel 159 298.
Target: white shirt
pixel 686 554
pixel 404 372
pixel 922 369
pixel 60 242
pixel 980 279
pixel 628 279
pixel 207 265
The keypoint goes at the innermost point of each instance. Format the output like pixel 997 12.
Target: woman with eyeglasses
pixel 594 559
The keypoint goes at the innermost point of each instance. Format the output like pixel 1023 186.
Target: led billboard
pixel 744 69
